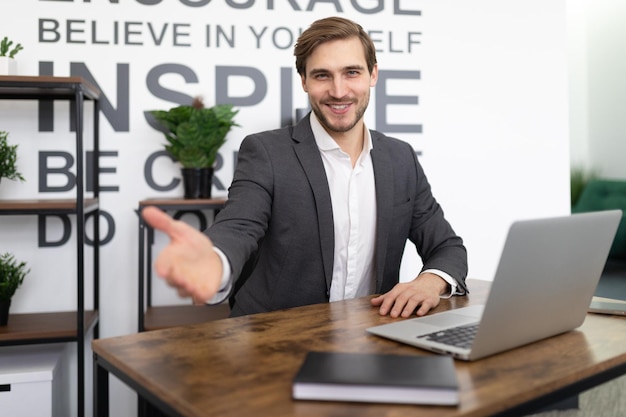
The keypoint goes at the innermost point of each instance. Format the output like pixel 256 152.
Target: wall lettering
pixel 400 7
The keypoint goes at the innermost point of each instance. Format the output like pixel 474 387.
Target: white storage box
pixel 30 381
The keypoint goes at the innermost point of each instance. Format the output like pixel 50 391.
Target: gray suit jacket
pixel 277 226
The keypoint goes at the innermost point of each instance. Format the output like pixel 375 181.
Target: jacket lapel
pixel 383 178
pixel 309 156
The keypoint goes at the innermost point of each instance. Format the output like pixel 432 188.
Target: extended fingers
pixel 156 218
pixel 175 229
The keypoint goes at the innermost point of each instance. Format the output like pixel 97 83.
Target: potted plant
pixel 194 134
pixel 8 159
pixel 579 177
pixel 12 273
pixel 8 64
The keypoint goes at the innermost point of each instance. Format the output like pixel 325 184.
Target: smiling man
pixel 320 211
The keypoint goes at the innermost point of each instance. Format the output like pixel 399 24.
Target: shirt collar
pixel 326 143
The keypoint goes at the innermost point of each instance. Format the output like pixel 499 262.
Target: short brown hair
pixel 330 29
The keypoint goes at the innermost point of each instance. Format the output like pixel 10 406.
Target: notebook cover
pixel 374 377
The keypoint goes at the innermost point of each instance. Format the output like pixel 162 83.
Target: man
pixel 320 211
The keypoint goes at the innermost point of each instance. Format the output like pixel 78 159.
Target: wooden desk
pixel 243 366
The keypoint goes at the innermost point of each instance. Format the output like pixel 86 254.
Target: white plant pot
pixel 8 66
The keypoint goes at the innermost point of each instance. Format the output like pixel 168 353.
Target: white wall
pixel 491 97
pixel 597 44
pixel 607 88
pixel 578 83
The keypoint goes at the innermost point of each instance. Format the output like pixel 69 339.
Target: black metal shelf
pixel 69 326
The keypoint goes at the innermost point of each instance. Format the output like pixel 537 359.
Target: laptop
pixel 545 280
pixel 602 305
pixel 610 296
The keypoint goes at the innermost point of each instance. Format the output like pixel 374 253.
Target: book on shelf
pixel 376 377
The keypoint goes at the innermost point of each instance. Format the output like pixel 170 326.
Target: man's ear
pixel 374 76
pixel 303 80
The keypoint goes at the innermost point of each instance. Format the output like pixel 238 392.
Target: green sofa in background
pixel 605 194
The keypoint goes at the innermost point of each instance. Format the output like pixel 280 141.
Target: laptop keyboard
pixel 461 336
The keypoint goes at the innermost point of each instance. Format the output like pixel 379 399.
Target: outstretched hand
pixel 420 295
pixel 188 263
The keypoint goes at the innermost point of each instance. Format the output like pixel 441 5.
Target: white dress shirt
pixel 353 196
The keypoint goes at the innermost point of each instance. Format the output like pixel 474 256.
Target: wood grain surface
pixel 244 366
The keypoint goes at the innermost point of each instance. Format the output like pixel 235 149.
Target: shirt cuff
pixel 227 280
pixel 454 287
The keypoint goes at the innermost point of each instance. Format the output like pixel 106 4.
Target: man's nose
pixel 339 88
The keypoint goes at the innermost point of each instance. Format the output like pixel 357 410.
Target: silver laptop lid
pixel 546 277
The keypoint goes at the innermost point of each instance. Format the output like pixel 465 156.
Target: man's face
pixel 338 84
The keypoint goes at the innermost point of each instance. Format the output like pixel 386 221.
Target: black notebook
pixel 373 377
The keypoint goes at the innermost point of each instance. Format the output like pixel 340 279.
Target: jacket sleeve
pixel 243 222
pixel 435 240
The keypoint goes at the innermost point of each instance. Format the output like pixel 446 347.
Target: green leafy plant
pixel 8 159
pixel 5 48
pixel 12 273
pixel 579 177
pixel 195 133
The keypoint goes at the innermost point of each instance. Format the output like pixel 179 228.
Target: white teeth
pixel 339 107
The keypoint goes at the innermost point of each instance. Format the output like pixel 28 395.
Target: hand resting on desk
pixel 423 294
